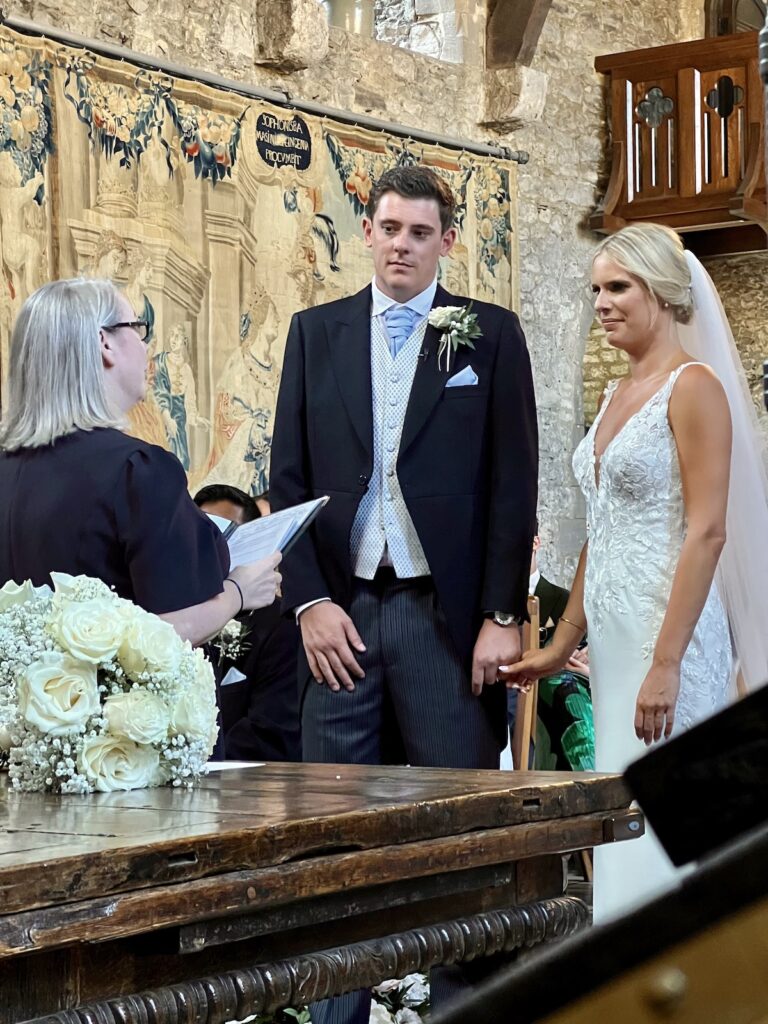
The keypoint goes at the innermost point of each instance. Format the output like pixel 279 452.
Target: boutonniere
pixel 233 639
pixel 459 327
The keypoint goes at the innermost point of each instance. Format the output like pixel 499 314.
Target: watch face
pixel 503 618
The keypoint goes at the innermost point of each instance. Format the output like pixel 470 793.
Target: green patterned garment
pixel 565 734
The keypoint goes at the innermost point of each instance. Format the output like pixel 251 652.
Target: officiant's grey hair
pixel 56 379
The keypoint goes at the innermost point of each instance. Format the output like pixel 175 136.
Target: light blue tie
pixel 399 321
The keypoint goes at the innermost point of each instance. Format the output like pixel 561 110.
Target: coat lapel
pixel 349 344
pixel 429 381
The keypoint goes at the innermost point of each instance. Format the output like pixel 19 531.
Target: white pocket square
pixel 465 376
pixel 233 676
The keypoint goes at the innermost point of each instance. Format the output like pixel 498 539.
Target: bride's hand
pixel 656 700
pixel 532 666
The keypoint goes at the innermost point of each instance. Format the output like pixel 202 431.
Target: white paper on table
pixel 276 532
pixel 225 766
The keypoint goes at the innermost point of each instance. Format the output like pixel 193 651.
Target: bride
pixel 670 467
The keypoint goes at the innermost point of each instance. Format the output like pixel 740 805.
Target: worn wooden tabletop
pixel 274 860
pixel 56 849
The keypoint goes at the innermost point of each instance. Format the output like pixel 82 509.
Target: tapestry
pixel 219 216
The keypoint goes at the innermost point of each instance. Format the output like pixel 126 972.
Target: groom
pixel 411 586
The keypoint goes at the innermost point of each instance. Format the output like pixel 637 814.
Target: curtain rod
pixel 278 98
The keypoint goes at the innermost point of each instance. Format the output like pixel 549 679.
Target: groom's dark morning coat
pixel 467 464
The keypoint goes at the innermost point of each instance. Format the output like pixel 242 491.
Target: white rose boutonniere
pixel 459 327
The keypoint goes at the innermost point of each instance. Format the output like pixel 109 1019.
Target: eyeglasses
pixel 140 326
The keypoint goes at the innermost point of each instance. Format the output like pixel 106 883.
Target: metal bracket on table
pixel 626 825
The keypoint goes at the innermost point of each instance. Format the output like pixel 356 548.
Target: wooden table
pixel 218 900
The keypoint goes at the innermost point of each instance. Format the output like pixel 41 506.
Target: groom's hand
pixel 496 645
pixel 330 640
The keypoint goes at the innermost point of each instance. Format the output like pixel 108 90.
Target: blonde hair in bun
pixel 655 254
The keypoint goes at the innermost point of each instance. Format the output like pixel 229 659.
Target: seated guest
pixel 79 496
pixel 565 738
pixel 259 698
pixel 228 503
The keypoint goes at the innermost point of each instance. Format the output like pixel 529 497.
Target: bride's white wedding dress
pixel 636 527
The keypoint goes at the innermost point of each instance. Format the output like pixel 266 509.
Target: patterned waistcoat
pixel 382 516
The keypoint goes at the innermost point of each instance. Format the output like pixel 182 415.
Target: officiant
pixel 77 495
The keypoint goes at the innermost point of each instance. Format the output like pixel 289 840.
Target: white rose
pixel 58 694
pixel 63 584
pixel 387 986
pixel 112 762
pixel 14 593
pixel 5 739
pixel 407 1016
pixel 89 630
pixel 415 990
pixel 380 1015
pixel 204 679
pixel 195 716
pixel 138 715
pixel 149 645
pixel 443 316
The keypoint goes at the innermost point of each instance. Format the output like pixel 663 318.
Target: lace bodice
pixel 635 512
pixel 636 527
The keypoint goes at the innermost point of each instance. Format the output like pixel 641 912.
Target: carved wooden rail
pixel 295 982
pixel 687 128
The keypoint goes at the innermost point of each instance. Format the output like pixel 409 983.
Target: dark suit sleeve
pixel 552 600
pixel 514 475
pixel 260 716
pixel 290 473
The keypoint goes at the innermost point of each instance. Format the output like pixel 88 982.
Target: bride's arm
pixel 701 424
pixel 570 629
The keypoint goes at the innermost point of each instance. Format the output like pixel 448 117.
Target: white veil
pixel 742 574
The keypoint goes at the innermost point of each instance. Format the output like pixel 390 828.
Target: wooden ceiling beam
pixel 513 29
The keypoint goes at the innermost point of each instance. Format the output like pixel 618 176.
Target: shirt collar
pixel 421 303
pixel 534 582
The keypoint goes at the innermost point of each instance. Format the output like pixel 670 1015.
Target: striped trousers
pixel 414 706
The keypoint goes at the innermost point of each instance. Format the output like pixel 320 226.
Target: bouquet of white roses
pixel 96 694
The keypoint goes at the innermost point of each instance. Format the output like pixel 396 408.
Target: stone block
pixel 427 7
pixel 514 98
pixel 425 37
pixel 289 35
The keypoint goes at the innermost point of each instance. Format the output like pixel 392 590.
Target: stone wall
pixel 449 30
pixel 558 190
pixel 743 285
pixel 555 109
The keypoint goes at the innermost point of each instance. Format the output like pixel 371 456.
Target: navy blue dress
pixel 100 503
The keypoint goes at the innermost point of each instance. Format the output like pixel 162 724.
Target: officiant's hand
pixel 330 641
pixel 259 582
pixel 496 645
pixel 656 700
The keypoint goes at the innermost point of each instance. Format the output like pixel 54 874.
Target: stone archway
pixel 724 17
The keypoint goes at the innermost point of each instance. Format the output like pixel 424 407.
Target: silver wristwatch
pixel 507 619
